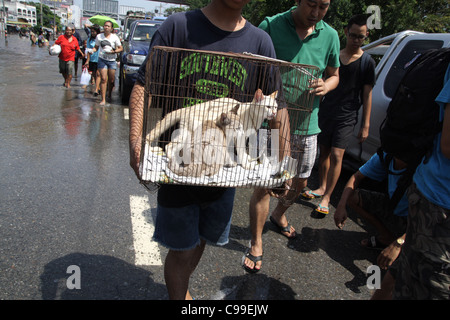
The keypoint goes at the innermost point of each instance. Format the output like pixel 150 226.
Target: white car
pixel 392 53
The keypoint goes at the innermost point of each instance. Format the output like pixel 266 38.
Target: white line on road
pixel 146 250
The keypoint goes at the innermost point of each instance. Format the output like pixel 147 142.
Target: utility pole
pixel 54 23
pixel 42 21
pixel 4 18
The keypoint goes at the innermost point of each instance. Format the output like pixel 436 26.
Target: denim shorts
pixel 182 228
pixel 102 64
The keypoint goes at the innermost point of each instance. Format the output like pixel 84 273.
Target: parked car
pixel 134 52
pixel 393 53
pixel 129 19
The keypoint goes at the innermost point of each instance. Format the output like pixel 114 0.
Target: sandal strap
pixel 253 258
pixel 286 229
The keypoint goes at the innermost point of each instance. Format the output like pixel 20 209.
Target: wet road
pixel 69 198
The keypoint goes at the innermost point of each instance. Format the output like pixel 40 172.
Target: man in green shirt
pixel 299 35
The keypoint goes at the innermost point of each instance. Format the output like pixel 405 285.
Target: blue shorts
pixel 182 228
pixel 102 64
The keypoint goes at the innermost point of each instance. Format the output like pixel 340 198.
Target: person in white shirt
pixel 108 44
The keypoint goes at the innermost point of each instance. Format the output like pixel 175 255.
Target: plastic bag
pixel 85 77
pixel 55 50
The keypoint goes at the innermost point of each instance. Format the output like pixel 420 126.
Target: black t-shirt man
pixel 193 30
pixel 344 102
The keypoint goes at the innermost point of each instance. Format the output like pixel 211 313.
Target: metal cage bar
pixel 209 118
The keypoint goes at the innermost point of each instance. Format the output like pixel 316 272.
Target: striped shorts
pixel 304 150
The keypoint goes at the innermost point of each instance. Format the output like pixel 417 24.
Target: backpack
pixel 364 66
pixel 412 117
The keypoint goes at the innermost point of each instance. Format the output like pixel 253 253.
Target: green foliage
pixel 396 16
pixel 197 4
pixel 256 10
pixel 399 15
pixel 172 10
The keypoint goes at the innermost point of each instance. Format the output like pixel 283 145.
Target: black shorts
pixel 92 67
pixel 335 133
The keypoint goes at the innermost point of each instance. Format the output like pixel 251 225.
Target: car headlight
pixel 135 59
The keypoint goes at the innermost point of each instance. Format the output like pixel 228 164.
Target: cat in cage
pixel 213 145
pixel 242 117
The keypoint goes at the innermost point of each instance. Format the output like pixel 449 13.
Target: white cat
pixel 210 147
pixel 251 116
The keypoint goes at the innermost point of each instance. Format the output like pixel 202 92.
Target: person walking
pixel 92 60
pixel 108 45
pixel 69 45
pixel 299 35
pixel 338 112
pixel 188 216
pixel 77 55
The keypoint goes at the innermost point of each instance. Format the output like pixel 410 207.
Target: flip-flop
pixel 309 195
pixel 253 258
pixel 281 229
pixel 322 209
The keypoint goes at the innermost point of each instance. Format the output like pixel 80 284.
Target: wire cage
pixel 223 119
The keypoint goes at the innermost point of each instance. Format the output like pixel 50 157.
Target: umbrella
pixel 100 20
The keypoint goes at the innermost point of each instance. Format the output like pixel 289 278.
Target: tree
pixel 396 15
pixel 172 10
pixel 197 4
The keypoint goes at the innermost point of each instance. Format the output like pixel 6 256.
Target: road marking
pixel 126 113
pixel 146 250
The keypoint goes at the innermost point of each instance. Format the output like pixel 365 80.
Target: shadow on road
pixel 101 278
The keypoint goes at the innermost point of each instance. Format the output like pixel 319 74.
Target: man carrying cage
pixel 188 216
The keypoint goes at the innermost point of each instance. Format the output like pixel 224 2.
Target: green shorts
pixel 66 67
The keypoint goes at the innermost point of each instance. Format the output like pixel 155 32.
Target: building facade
pixel 19 13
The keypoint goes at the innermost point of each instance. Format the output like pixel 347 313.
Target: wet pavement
pixel 67 195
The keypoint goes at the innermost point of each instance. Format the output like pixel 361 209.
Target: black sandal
pixel 254 259
pixel 286 229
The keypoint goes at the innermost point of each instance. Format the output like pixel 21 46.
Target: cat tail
pixel 164 124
